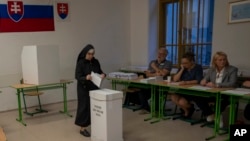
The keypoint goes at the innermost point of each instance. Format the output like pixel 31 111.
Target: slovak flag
pixel 26 15
pixel 62 10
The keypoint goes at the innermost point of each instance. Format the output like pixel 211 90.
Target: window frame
pixel 181 47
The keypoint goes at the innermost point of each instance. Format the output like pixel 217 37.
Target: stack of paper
pixel 238 91
pixel 148 80
pixel 174 83
pixel 123 75
pixel 200 87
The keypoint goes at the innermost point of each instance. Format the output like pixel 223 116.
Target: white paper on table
pixel 96 79
pixel 200 87
pixel 238 91
pixel 174 83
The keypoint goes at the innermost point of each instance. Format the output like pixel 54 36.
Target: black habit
pixel 83 68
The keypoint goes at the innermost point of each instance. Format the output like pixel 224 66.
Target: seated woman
pixel 189 73
pixel 220 75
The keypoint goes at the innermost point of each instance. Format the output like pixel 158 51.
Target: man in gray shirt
pixel 158 67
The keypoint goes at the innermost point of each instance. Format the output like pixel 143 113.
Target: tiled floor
pixel 54 126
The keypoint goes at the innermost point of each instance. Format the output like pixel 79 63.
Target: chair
pixel 38 110
pixel 131 99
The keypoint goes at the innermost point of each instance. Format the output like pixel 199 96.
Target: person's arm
pixel 246 84
pixel 159 72
pixel 197 78
pixel 152 70
pixel 206 78
pixel 79 73
pixel 103 75
pixel 231 82
pixel 150 74
pixel 188 82
pixel 177 76
pixel 165 70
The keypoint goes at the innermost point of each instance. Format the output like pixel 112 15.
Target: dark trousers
pixel 203 104
pixel 145 95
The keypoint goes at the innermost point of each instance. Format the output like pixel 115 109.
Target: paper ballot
pixel 96 79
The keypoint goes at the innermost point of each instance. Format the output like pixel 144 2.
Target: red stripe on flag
pixel 27 25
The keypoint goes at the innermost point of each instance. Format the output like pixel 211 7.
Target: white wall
pixel 105 24
pixel 144 31
pixel 139 31
pixel 231 38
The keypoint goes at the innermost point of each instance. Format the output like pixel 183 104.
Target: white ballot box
pixel 40 64
pixel 106 115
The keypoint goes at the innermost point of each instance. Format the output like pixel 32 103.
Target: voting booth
pixel 40 64
pixel 106 115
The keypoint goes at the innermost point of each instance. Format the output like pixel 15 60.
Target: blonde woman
pixel 220 75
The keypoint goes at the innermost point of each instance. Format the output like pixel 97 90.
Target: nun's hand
pixel 103 75
pixel 88 77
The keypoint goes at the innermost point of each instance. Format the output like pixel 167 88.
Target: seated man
pixel 158 67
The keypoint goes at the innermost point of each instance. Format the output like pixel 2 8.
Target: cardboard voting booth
pixel 40 64
pixel 106 115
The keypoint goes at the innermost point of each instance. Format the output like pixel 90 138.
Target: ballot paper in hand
pixel 96 79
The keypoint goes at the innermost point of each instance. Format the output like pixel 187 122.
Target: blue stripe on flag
pixel 30 11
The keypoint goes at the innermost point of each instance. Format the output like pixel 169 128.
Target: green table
pixel 184 89
pixel 136 83
pixel 21 88
pixel 235 95
pixel 196 90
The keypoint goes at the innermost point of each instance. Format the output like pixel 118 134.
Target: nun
pixel 86 63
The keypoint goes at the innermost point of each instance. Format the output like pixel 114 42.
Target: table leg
pixel 65 104
pixel 113 84
pixel 231 113
pixel 217 116
pixel 153 102
pixel 20 119
pixel 152 105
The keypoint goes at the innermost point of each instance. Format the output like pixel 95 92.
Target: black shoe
pixel 85 133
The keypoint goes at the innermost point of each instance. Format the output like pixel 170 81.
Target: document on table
pixel 96 79
pixel 238 91
pixel 200 87
pixel 174 83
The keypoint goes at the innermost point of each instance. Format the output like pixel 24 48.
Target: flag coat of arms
pixel 62 9
pixel 26 15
